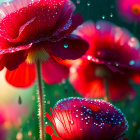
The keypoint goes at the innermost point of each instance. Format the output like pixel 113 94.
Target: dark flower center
pixel 107 55
pixel 136 9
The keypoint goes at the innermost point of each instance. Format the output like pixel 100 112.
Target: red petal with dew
pixel 8 47
pixel 77 20
pixel 29 20
pixel 66 18
pixel 22 77
pixel 53 72
pixel 72 47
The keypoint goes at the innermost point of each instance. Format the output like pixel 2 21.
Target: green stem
pixel 106 97
pixel 40 100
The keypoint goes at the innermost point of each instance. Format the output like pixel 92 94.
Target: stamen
pixel 38 54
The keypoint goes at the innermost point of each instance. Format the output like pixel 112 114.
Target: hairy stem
pixel 40 100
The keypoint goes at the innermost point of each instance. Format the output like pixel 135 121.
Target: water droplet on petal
pixel 65 45
pixel 132 62
pixel 72 122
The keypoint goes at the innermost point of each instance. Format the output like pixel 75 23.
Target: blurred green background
pixel 24 125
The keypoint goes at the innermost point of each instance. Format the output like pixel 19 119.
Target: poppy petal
pixel 77 20
pixel 8 47
pixel 49 130
pixel 82 75
pixel 25 13
pixel 120 90
pixel 87 31
pixel 53 72
pixel 24 76
pixel 65 20
pixel 12 61
pixel 136 77
pixel 72 47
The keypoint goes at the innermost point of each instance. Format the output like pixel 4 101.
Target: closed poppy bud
pixel 80 119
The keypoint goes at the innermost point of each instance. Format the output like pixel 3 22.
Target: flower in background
pixel 12 115
pixel 112 56
pixel 32 30
pixel 80 119
pixel 129 9
pixel 3 131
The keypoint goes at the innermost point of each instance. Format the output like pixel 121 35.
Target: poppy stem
pixel 106 97
pixel 40 100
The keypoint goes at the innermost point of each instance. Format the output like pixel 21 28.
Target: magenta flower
pixel 129 9
pixel 80 119
pixel 38 30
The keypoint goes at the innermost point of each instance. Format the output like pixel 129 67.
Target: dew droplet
pixel 76 116
pixel 103 17
pixel 72 122
pixel 88 4
pixel 19 100
pixel 65 45
pixel 132 62
pixel 111 15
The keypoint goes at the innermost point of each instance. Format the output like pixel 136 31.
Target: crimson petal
pixel 11 61
pixel 82 75
pixel 53 72
pixel 22 77
pixel 38 18
pixel 76 20
pixel 120 90
pixel 72 47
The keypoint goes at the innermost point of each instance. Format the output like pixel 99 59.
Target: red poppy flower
pixel 129 9
pixel 113 55
pixel 38 29
pixel 80 119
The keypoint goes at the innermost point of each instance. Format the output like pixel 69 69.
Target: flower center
pixel 37 54
pixel 136 9
pixel 102 72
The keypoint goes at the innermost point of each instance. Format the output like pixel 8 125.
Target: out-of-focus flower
pixel 13 115
pixel 113 56
pixel 32 30
pixel 10 116
pixel 3 131
pixel 129 9
pixel 80 119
